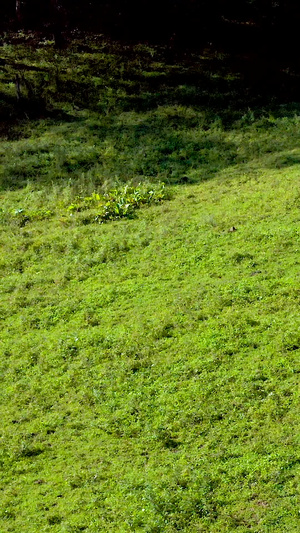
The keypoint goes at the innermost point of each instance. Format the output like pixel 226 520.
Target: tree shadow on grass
pixel 14 114
pixel 179 123
pixel 154 149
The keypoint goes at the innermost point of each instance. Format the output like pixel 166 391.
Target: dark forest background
pixel 259 38
pixel 270 26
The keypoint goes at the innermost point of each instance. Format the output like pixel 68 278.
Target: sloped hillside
pixel 150 363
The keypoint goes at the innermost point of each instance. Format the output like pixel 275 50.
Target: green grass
pixel 150 366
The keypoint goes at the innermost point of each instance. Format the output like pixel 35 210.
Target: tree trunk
pixel 57 23
pixel 19 14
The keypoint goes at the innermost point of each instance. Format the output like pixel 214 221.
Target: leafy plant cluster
pixel 112 205
pixel 117 203
pixel 23 216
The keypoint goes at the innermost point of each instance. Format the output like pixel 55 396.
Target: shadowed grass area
pixel 149 366
pixel 133 113
pixel 168 144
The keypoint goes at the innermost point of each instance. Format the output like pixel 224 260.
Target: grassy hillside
pixel 150 364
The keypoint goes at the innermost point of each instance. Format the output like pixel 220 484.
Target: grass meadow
pixel 149 359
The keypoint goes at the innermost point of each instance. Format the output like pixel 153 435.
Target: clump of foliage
pixel 23 216
pixel 98 207
pixel 117 203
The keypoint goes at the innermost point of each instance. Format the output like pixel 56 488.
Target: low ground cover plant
pixel 117 203
pixel 98 208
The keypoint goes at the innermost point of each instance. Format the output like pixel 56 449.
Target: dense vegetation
pixel 149 358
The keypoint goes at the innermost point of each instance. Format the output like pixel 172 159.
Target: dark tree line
pixel 272 24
